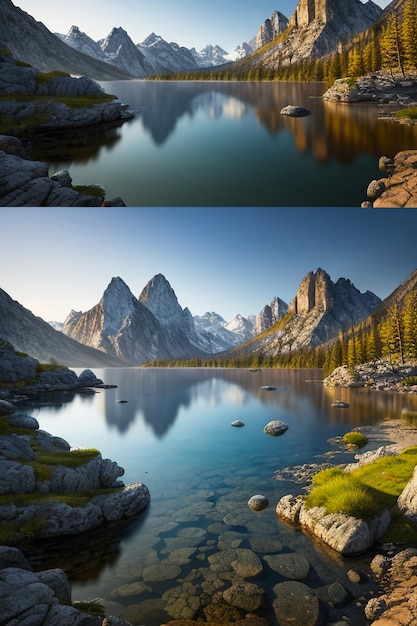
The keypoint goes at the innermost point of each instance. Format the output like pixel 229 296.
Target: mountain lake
pixel 226 144
pixel 172 430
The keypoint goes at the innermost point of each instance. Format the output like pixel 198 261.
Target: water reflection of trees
pixel 332 131
pixel 157 397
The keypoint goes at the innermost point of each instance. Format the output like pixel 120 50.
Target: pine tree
pixel 391 47
pixel 355 62
pixel 408 34
pixel 410 325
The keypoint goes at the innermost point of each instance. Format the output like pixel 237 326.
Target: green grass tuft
pixel 343 493
pixel 409 113
pixel 355 438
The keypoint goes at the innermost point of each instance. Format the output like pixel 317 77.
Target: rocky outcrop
pixel 397 606
pixel 24 182
pixel 346 534
pixel 45 113
pixel 379 375
pixel 24 472
pixel 42 598
pixel 398 188
pixel 21 374
pixel 271 28
pixel 270 315
pixel 379 87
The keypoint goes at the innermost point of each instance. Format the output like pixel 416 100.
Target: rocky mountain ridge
pixel 316 28
pixel 320 310
pixel 32 335
pixel 134 330
pixel 154 55
pixel 30 41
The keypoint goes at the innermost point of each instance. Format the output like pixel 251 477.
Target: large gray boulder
pixel 346 534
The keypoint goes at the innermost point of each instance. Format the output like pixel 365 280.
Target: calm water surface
pixel 175 435
pixel 226 144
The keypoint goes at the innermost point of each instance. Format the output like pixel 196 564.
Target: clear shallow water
pixel 175 435
pixel 226 144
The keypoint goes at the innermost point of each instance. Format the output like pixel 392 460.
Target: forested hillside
pixel 389 44
pixel 388 333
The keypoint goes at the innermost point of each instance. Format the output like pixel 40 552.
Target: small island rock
pixel 275 428
pixel 295 111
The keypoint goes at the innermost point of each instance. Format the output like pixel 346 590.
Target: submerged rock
pixel 296 603
pixel 292 565
pixel 246 596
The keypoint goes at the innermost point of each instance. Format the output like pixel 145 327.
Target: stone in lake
pixel 275 428
pixel 258 502
pixel 295 111
pixel 238 423
pixel 340 404
pixel 268 388
pixel 296 603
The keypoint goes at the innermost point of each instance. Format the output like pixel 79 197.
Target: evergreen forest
pixel 390 44
pixel 389 333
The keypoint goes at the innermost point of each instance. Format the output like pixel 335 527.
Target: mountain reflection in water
pixel 174 433
pixel 226 144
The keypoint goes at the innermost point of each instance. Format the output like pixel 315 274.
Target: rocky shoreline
pixel 397 188
pixel 32 103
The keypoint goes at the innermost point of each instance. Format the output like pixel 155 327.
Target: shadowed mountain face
pixel 32 42
pixel 32 335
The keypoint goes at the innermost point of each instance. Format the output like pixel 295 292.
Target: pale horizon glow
pixel 185 22
pixel 227 260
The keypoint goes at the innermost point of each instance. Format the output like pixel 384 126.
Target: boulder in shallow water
pixel 275 428
pixel 258 502
pixel 295 111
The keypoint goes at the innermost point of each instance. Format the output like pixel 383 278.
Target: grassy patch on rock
pixel 364 492
pixel 355 438
pixel 409 113
pixel 340 492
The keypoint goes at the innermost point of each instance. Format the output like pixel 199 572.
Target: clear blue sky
pixel 190 23
pixel 222 259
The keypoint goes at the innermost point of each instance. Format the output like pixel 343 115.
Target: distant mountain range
pixel 154 55
pixel 123 328
pixel 316 28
